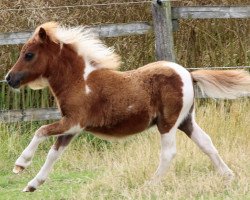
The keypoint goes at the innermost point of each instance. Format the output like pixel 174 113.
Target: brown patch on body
pixel 154 92
pixel 134 123
pixel 63 140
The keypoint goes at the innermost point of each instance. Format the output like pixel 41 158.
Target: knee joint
pixel 41 132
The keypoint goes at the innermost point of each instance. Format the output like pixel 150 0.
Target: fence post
pixel 163 28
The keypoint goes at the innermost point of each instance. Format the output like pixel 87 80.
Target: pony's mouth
pixel 14 85
pixel 14 80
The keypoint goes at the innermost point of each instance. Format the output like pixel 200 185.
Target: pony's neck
pixel 66 71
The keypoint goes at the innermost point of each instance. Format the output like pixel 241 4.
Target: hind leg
pixel 192 129
pixel 168 152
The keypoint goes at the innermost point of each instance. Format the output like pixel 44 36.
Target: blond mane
pixel 86 43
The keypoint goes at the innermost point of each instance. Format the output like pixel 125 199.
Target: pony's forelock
pixel 86 43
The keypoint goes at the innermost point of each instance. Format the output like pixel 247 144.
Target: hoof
pixel 17 169
pixel 29 189
pixel 153 182
pixel 229 176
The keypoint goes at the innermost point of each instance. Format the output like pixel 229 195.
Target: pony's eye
pixel 28 56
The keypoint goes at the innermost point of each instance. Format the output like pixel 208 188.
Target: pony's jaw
pixel 39 83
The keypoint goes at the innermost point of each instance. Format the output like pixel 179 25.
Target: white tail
pixel 223 84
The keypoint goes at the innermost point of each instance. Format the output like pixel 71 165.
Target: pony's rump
pixel 223 84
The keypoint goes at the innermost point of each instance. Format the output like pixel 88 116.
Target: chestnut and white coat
pixel 91 95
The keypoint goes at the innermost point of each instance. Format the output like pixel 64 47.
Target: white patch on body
pixel 187 89
pixel 87 89
pixel 88 69
pixel 73 130
pixel 130 107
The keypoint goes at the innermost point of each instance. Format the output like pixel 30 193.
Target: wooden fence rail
pixel 211 12
pixel 39 114
pixel 108 30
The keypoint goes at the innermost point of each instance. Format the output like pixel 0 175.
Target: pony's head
pixel 42 52
pixel 34 59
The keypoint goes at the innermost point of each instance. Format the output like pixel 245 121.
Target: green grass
pixel 93 169
pixel 65 181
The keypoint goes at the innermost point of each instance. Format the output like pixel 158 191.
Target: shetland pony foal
pixel 91 96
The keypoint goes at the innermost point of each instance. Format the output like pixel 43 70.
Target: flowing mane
pixel 86 43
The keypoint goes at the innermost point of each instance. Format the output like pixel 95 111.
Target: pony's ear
pixel 42 34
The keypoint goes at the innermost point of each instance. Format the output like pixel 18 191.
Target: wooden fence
pixel 165 21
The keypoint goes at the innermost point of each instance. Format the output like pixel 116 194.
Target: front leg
pixel 54 153
pixel 41 134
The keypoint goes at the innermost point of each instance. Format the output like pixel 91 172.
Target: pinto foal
pixel 92 96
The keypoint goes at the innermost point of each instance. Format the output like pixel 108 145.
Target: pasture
pixel 94 169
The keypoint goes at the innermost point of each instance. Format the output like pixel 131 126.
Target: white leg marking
pixel 25 158
pixel 168 151
pixel 205 143
pixel 42 175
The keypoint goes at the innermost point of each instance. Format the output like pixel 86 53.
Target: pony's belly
pixel 126 127
pixel 108 137
pixel 108 133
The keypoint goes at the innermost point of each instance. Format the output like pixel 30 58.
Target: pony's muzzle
pixel 14 79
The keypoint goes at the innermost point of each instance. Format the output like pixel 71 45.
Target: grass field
pixel 94 169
